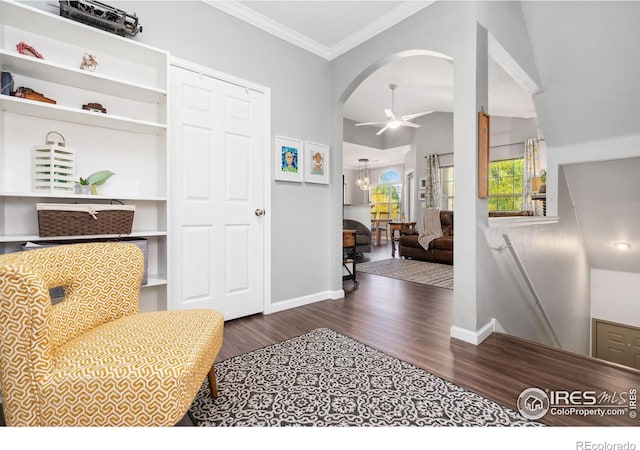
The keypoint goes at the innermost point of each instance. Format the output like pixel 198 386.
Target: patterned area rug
pixel 323 378
pixel 440 275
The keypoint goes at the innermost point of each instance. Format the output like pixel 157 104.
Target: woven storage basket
pixel 56 219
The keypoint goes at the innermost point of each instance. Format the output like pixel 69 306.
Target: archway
pixel 424 80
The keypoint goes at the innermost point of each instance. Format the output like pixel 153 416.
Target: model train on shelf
pixel 101 16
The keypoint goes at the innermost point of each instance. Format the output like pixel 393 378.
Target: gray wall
pixel 435 136
pixel 360 135
pixel 589 62
pixel 555 259
pixel 355 195
pixel 299 83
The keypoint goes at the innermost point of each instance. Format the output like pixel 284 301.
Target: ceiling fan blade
pixel 370 123
pixel 389 114
pixel 404 123
pixel 413 116
pixel 382 131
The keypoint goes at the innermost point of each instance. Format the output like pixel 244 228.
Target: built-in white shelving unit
pixel 130 139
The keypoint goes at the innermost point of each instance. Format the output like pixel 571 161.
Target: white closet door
pixel 217 137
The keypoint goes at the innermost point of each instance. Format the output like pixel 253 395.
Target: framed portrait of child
pixel 289 159
pixel 317 163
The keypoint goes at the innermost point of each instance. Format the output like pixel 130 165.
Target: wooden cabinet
pixel 130 139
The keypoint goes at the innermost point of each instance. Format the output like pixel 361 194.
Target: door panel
pixel 218 158
pixel 238 263
pixel 238 168
pixel 617 343
pixel 197 147
pixel 196 257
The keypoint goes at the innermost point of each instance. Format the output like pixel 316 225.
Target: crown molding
pixel 248 15
pixel 261 21
pixel 376 27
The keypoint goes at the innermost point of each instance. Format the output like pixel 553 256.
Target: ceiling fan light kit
pixel 395 121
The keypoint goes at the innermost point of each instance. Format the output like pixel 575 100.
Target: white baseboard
pixel 305 300
pixel 475 337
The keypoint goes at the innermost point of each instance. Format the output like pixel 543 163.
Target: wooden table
pixel 399 226
pixel 375 223
pixel 349 255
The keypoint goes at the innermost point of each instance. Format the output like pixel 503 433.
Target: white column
pixel 471 94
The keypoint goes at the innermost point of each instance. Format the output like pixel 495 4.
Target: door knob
pixel 259 212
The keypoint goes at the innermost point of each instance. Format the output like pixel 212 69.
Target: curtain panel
pixel 531 170
pixel 433 194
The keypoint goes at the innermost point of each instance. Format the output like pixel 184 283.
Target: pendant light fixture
pixel 363 174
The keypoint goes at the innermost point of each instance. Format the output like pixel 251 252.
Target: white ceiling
pixel 326 28
pixel 607 210
pixel 425 83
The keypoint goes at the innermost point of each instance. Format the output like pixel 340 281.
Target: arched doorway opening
pixel 422 89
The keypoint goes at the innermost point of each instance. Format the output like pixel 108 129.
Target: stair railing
pixel 532 289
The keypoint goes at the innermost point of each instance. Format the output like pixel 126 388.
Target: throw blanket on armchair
pixel 431 227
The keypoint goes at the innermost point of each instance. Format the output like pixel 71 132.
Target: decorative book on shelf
pixel 6 83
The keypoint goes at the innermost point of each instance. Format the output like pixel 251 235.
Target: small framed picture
pixel 483 154
pixel 422 195
pixel 289 160
pixel 423 183
pixel 316 163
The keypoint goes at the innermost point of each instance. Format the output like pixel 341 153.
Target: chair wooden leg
pixel 213 383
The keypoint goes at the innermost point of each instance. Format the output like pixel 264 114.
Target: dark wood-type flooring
pixel 412 322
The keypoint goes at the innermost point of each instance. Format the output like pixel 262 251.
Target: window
pixel 389 176
pixel 386 201
pixel 505 185
pixel 446 188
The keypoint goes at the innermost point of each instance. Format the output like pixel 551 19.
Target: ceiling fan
pixel 395 121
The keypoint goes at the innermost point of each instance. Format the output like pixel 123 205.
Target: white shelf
pixel 46 70
pixel 37 238
pixel 71 196
pixel 133 78
pixel 521 221
pixel 154 281
pixel 19 15
pixel 63 113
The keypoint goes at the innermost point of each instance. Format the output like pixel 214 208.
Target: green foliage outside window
pixel 505 185
pixel 386 199
pixel 446 188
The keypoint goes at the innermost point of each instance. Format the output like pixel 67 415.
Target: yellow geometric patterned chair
pixel 93 359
